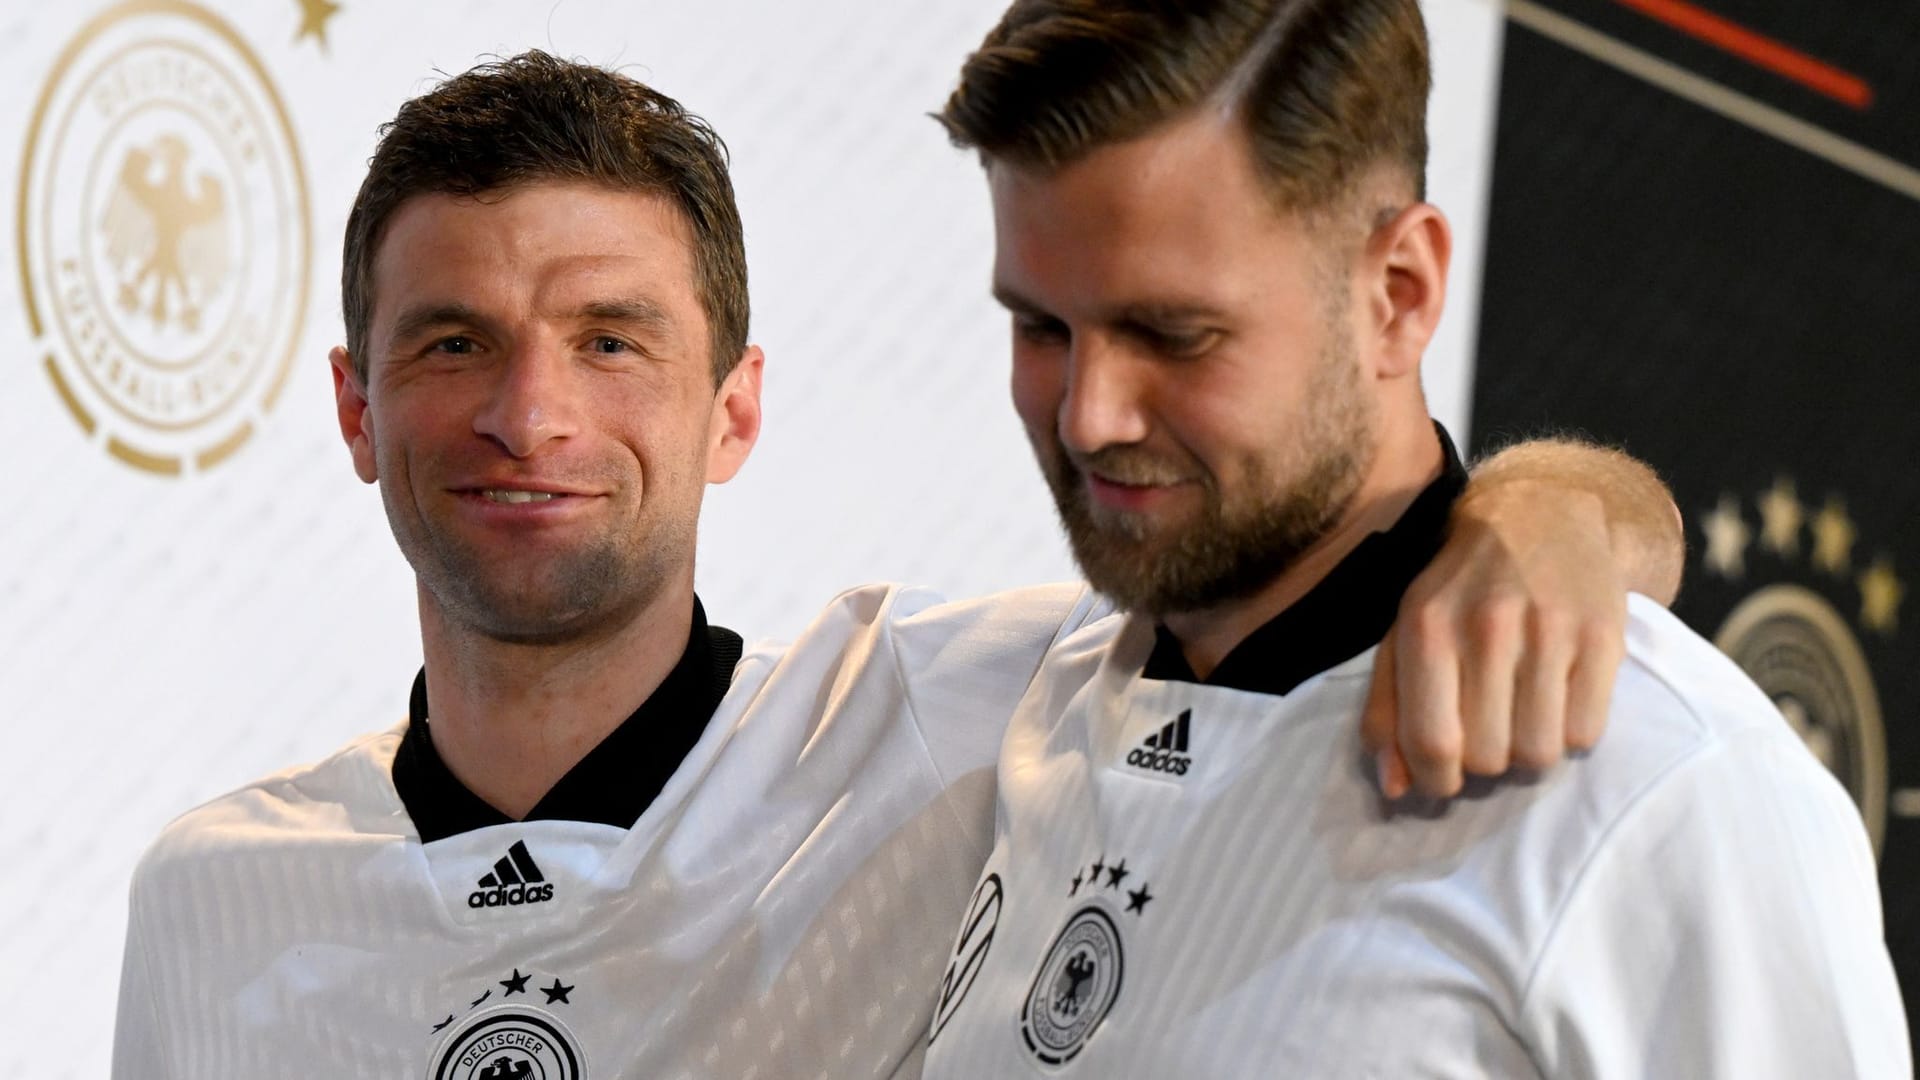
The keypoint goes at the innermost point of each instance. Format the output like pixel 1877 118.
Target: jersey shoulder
pixel 348 793
pixel 1676 680
pixel 955 668
pixel 1698 767
pixel 1682 712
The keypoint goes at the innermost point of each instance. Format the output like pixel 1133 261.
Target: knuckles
pixel 1431 747
pixel 1536 754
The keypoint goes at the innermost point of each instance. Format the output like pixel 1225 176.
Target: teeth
pixel 499 496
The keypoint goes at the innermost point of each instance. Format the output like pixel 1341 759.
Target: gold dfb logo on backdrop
pixel 164 235
pixel 1801 647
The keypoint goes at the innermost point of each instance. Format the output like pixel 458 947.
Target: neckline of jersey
pixel 614 783
pixel 1346 614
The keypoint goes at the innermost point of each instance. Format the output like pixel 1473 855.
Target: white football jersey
pixel 1191 880
pixel 781 909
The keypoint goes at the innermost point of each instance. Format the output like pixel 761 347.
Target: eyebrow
pixel 1163 314
pixel 417 320
pixel 1139 314
pixel 636 311
pixel 1011 300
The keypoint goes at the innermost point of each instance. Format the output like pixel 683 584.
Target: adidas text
pixel 1165 761
pixel 509 895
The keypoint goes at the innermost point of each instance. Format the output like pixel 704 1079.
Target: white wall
pixel 165 639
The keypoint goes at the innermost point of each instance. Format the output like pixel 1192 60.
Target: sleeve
pixel 966 665
pixel 138 1053
pixel 1727 926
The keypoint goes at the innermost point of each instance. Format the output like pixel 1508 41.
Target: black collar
pixel 1346 614
pixel 614 783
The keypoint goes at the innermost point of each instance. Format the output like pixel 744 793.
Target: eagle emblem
pixel 166 235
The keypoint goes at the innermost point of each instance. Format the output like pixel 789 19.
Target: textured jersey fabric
pixel 1197 880
pixel 781 909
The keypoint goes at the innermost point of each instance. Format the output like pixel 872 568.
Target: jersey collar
pixel 614 783
pixel 1346 614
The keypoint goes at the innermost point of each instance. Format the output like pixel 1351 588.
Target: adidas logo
pixel 1165 750
pixel 515 880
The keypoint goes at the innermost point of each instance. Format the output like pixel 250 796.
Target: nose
pixel 534 399
pixel 1103 404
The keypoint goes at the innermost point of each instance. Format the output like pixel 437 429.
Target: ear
pixel 1407 260
pixel 350 401
pixel 735 425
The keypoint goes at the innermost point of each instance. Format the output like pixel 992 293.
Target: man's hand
pixel 1506 647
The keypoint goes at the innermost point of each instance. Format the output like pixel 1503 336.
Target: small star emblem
pixel 1781 516
pixel 1117 873
pixel 1097 867
pixel 442 1024
pixel 516 984
pixel 1137 900
pixel 557 992
pixel 1727 538
pixel 475 1003
pixel 313 20
pixel 1881 592
pixel 1076 885
pixel 1833 535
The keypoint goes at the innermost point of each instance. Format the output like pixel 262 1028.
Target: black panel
pixel 1743 314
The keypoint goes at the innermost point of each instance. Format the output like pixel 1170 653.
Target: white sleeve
pixel 1728 926
pixel 138 1053
pixel 966 664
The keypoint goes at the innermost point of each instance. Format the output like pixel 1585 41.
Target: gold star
pixel 1833 534
pixel 1880 594
pixel 313 20
pixel 1727 537
pixel 1781 515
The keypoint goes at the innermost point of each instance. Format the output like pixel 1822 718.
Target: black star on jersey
pixel 1117 873
pixel 515 983
pixel 1077 879
pixel 1137 900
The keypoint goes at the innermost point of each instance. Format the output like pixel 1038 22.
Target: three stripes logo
pixel 516 880
pixel 1165 750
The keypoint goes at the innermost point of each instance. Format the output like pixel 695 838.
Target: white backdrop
pixel 163 639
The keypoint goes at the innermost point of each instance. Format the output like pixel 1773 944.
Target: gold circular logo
pixel 1805 656
pixel 164 235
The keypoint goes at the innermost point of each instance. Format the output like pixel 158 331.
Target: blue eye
pixel 609 345
pixel 458 346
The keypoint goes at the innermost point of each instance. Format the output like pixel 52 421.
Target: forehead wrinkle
pixel 631 286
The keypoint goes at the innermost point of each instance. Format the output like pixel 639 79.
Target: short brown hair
pixel 537 117
pixel 1328 89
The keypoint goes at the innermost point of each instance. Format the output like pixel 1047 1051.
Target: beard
pixel 590 588
pixel 1288 496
